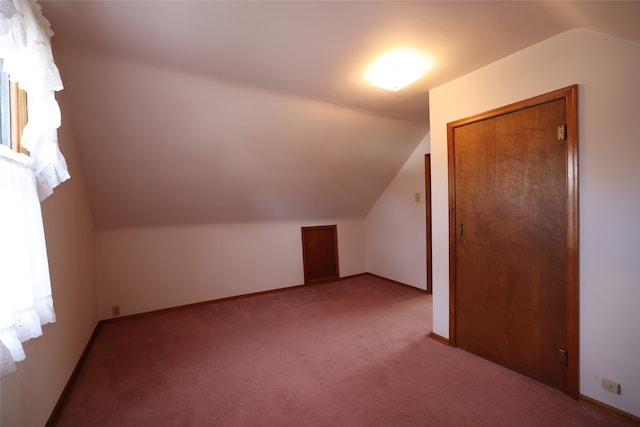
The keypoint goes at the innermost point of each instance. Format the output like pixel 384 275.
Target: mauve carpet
pixel 351 353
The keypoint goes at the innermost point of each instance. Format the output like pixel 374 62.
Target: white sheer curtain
pixel 25 288
pixel 26 50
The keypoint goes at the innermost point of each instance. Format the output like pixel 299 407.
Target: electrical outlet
pixel 611 385
pixel 115 310
pixel 418 197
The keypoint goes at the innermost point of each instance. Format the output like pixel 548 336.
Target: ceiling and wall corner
pixel 395 227
pixel 210 112
pixel 179 148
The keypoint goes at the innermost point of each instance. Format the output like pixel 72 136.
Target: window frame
pixel 18 109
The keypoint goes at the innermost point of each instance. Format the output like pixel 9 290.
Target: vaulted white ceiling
pixel 210 111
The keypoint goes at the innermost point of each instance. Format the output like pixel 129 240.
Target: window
pixel 26 302
pixel 13 112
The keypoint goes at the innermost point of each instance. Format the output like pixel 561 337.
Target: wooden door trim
pixel 573 243
pixel 334 227
pixel 427 201
pixel 570 96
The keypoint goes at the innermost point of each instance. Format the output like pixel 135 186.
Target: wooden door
pixel 320 253
pixel 513 236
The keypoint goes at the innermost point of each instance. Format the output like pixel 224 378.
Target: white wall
pixel 29 394
pixel 607 71
pixel 396 225
pixel 144 269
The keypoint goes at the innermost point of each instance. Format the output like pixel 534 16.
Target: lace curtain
pixel 25 289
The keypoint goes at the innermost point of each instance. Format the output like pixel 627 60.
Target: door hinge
pixel 562 132
pixel 562 356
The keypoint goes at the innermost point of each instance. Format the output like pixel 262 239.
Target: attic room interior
pixel 203 137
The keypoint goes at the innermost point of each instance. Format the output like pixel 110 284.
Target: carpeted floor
pixel 350 353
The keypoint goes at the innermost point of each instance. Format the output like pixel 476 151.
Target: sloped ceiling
pixel 209 111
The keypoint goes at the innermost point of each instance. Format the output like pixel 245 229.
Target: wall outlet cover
pixel 611 385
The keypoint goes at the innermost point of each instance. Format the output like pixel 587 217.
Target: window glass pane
pixel 5 109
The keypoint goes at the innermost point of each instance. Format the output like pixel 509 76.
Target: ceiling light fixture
pixel 397 69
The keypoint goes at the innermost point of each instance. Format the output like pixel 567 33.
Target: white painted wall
pixel 396 226
pixel 145 269
pixel 29 394
pixel 607 71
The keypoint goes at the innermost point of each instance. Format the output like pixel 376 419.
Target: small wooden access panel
pixel 320 253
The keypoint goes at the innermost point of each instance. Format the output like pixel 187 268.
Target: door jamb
pixel 427 201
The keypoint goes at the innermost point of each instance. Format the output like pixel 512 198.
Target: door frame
pixel 428 221
pixel 570 97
